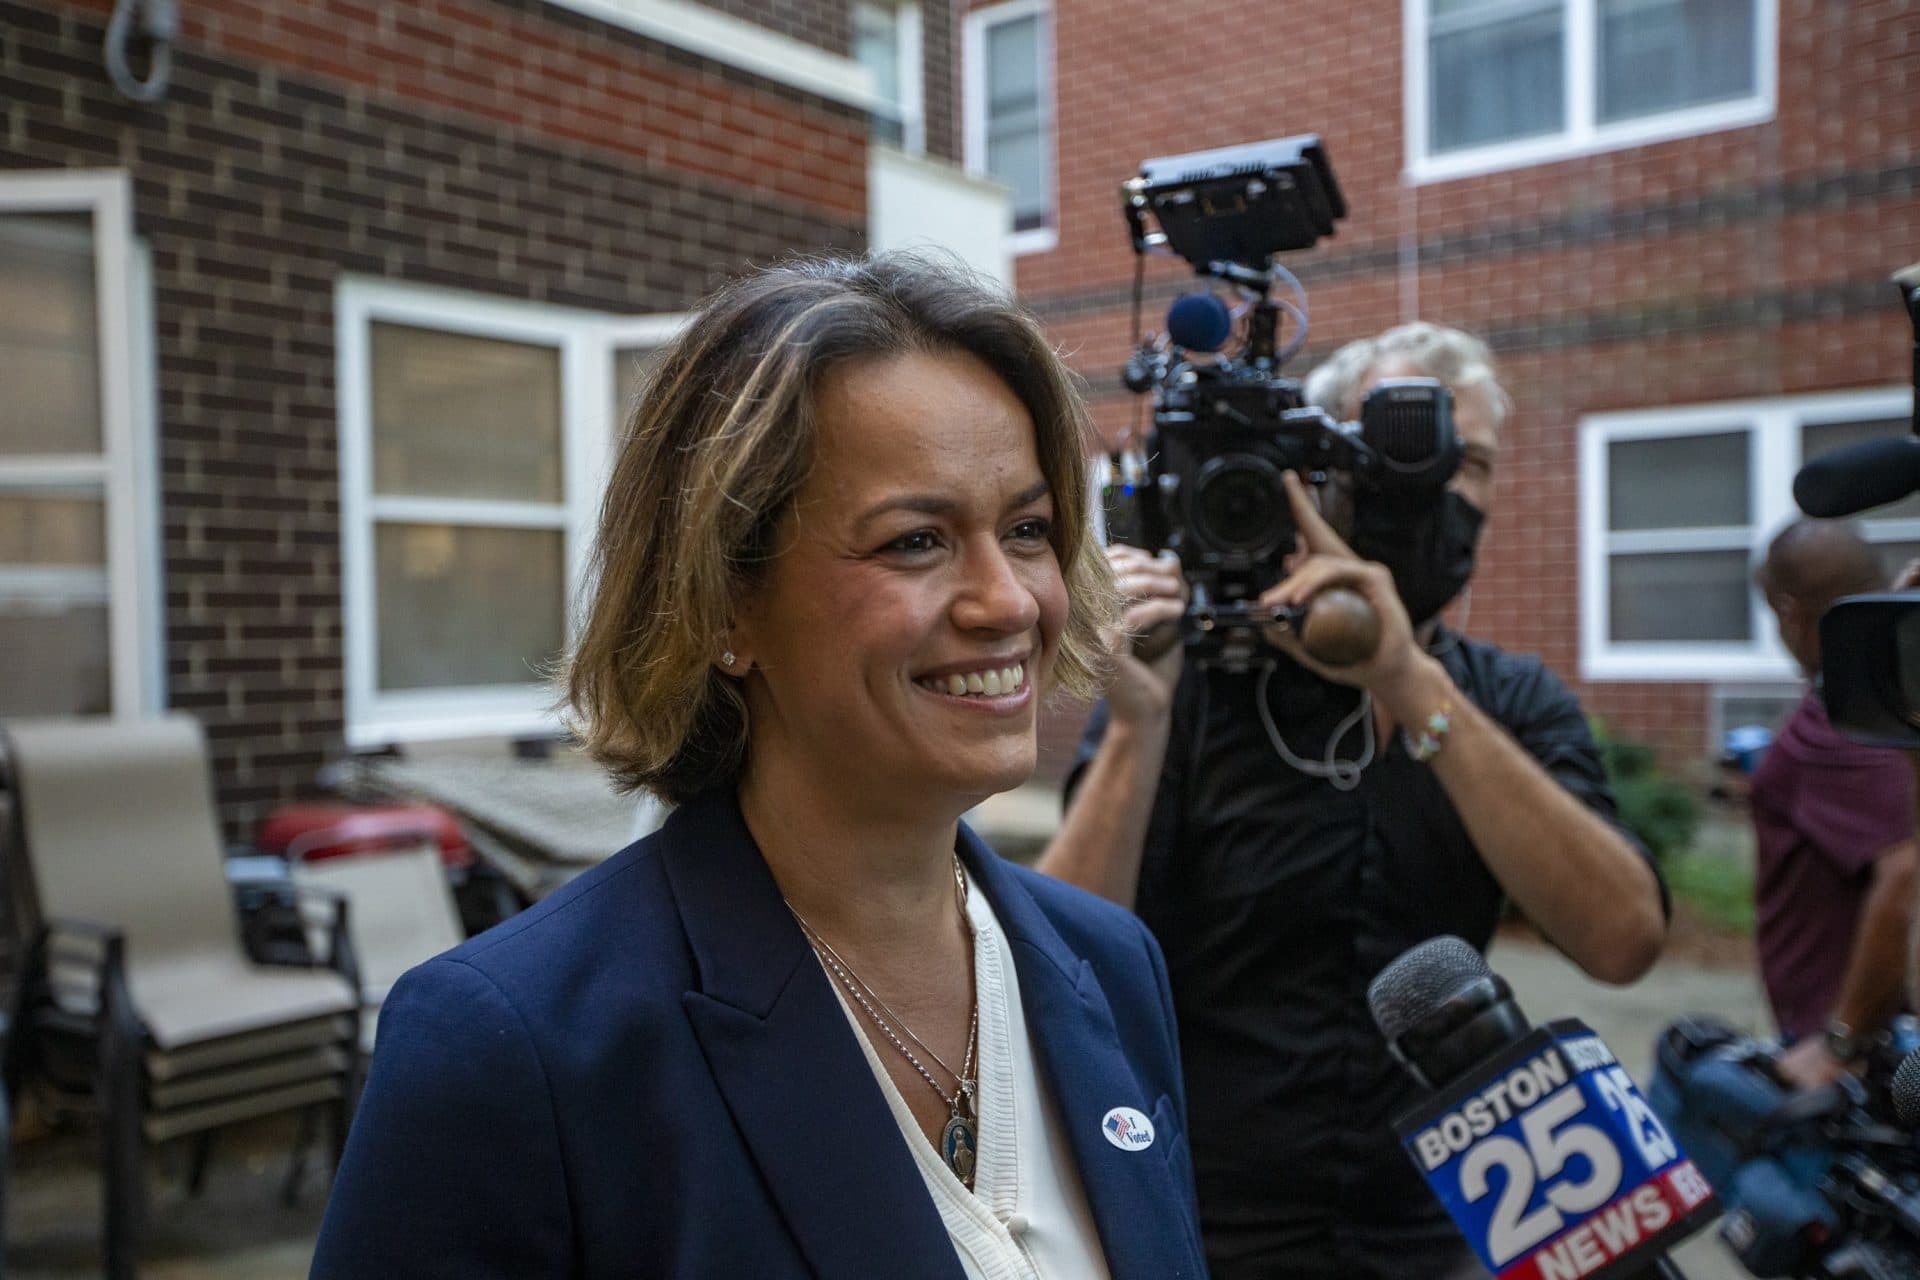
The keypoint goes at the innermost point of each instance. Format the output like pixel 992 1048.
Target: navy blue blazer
pixel 648 1075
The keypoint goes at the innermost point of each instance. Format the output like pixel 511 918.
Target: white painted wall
pixel 913 201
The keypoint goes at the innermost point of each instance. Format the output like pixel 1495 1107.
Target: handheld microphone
pixel 1852 479
pixel 1906 1091
pixel 1535 1139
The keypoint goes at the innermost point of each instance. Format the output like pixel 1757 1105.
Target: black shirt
pixel 1277 897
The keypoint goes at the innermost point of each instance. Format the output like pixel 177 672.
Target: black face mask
pixel 1428 544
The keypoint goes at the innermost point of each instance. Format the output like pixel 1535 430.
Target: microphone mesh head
pixel 1906 1090
pixel 1199 322
pixel 1422 980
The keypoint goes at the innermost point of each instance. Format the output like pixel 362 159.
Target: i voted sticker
pixel 1127 1129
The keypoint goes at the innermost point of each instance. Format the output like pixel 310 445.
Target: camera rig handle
pixel 1337 627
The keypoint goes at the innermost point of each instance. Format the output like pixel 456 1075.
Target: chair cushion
pixel 195 998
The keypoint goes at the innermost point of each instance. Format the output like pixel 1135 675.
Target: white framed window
pixel 1496 84
pixel 475 438
pixel 1009 109
pixel 79 545
pixel 886 41
pixel 1676 505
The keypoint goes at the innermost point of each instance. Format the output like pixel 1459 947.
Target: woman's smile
pixel 990 687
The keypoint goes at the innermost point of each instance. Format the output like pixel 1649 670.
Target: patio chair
pixel 135 998
pixel 400 909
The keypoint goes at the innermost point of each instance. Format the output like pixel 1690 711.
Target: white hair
pixel 1456 358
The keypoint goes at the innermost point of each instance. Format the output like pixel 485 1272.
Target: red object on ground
pixel 339 830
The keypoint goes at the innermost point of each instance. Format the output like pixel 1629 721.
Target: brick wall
pixel 940 76
pixel 464 143
pixel 1746 263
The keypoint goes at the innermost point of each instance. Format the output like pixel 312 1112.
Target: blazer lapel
pixel 786 1061
pixel 1132 1193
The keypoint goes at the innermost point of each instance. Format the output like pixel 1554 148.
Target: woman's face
pixel 914 604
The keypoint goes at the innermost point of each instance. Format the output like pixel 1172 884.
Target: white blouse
pixel 1026 1217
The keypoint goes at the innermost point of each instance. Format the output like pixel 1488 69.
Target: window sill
pixel 1669 127
pixel 1684 663
pixel 1034 240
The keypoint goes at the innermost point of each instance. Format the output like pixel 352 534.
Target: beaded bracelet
pixel 1433 734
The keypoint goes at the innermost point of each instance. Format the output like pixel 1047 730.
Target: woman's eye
pixel 1034 529
pixel 918 540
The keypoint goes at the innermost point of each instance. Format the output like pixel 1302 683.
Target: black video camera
pixel 1870 645
pixel 1206 480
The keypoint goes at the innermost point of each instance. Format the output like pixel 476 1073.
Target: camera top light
pixel 1240 204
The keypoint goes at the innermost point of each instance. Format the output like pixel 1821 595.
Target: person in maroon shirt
pixel 1834 822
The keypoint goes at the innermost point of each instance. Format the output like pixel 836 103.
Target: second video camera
pixel 1206 481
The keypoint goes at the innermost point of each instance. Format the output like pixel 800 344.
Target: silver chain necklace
pixel 959 1139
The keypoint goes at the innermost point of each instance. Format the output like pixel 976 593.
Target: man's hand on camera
pixel 1154 592
pixel 1399 673
pixel 1808 1064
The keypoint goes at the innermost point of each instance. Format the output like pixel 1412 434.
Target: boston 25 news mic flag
pixel 1535 1139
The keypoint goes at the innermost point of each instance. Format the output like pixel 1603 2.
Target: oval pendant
pixel 957 1147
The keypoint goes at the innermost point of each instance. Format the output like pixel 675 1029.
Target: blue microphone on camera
pixel 1535 1139
pixel 1199 322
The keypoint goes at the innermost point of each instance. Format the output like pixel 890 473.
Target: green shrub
pixel 1719 887
pixel 1657 807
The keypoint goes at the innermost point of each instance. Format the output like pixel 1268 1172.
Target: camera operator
pixel 1834 826
pixel 1281 869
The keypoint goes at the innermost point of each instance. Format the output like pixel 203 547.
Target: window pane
pixel 1494 81
pixel 630 370
pixel 1658 55
pixel 1896 556
pixel 1684 595
pixel 1825 437
pixel 463 605
pixel 1678 482
pixel 56 652
pixel 49 336
pixel 1767 709
pixel 65 529
pixel 463 417
pixel 876 46
pixel 1015 159
pixel 1013 64
pixel 1016 125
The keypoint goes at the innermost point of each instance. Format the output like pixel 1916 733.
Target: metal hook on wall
pixel 160 24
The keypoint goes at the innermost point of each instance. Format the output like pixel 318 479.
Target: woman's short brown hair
pixel 717 445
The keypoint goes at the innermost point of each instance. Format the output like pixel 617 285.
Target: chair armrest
pixel 324 916
pixel 97 949
pixel 97 953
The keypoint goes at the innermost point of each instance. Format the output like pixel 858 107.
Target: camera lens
pixel 1239 506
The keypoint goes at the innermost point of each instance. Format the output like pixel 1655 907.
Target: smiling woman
pixel 813 1026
